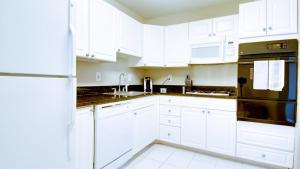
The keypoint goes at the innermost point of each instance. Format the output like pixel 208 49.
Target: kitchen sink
pixel 130 93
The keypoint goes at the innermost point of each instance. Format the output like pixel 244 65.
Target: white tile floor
pixel 164 157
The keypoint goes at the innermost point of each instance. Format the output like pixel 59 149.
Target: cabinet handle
pixel 209 35
pixel 169 100
pixel 270 28
pixel 263 156
pixel 135 114
pixel 87 55
pixel 214 34
pixel 264 29
pixel 93 56
pixel 169 121
pixel 208 112
pixel 169 111
pixel 169 134
pixel 203 111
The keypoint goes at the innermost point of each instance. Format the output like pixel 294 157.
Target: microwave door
pixel 207 53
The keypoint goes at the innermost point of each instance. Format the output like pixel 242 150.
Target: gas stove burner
pixel 209 93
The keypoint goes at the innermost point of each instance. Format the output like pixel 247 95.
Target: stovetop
pixel 209 93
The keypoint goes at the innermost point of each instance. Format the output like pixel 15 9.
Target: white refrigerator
pixel 37 84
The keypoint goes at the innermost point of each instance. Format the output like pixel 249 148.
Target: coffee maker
pixel 148 87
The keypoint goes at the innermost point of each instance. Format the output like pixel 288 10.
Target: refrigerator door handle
pixel 72 36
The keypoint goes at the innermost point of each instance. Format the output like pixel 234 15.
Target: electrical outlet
pixel 98 76
pixel 170 77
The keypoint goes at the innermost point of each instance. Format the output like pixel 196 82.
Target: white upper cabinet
pixel 212 29
pixel 96 30
pixel 103 31
pixel 130 35
pixel 193 127
pixel 153 46
pixel 252 19
pixel 221 132
pixel 281 17
pixel 225 26
pixel 176 45
pixel 82 28
pixel 200 29
pixel 268 17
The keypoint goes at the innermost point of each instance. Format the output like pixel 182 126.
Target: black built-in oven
pixel 268 106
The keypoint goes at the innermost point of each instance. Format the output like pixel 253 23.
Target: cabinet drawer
pixel 266 135
pixel 170 134
pixel 169 110
pixel 265 155
pixel 170 120
pixel 171 100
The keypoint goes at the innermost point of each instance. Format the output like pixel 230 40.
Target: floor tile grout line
pixel 165 161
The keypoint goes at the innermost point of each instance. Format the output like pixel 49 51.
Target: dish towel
pixel 276 75
pixel 261 75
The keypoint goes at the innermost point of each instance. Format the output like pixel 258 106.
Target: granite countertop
pixel 96 99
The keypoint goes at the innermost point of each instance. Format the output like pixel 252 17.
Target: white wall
pixel 202 75
pixel 86 73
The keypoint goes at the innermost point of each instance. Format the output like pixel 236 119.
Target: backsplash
pixel 86 73
pixel 202 75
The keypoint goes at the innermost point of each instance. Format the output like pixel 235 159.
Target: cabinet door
pixel 193 128
pixel 82 28
pixel 103 31
pixel 200 30
pixel 153 45
pixel 130 35
pixel 176 45
pixel 221 132
pixel 252 19
pixel 144 129
pixel 225 26
pixel 84 127
pixel 281 17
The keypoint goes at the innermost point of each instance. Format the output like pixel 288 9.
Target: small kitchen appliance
pixel 148 87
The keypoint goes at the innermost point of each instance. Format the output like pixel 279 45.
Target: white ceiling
pixel 155 8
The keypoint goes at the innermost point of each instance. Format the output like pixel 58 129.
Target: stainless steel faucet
pixel 124 75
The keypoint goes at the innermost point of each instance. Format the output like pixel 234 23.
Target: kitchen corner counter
pixel 97 99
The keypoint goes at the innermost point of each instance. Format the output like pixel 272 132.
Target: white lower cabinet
pixel 84 138
pixel 170 134
pixel 221 132
pixel 265 155
pixel 212 130
pixel 144 128
pixel 193 129
pixel 266 143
